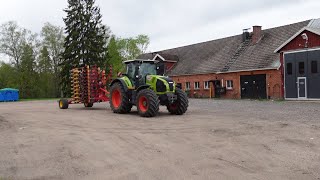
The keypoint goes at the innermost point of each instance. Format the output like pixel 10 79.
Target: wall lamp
pixel 305 37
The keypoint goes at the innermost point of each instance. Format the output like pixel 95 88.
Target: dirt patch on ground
pixel 4 124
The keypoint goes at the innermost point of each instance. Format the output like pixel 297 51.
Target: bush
pixel 188 93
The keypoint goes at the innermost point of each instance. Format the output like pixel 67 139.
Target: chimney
pixel 256 34
pixel 245 34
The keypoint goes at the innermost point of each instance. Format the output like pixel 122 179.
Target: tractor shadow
pixel 161 114
pixel 86 109
pixel 134 112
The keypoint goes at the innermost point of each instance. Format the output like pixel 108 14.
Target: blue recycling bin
pixel 1 97
pixel 9 94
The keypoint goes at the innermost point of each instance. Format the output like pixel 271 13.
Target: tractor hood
pixel 163 78
pixel 161 84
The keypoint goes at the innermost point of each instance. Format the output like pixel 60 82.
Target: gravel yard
pixel 215 139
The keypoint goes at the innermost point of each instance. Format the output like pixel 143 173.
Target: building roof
pixel 314 23
pixel 167 57
pixel 231 53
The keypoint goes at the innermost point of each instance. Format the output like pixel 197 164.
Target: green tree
pixel 86 40
pixel 12 40
pixel 44 64
pixel 114 56
pixel 46 76
pixel 28 84
pixel 52 43
pixel 131 48
pixel 8 76
pixel 120 50
pixel 142 42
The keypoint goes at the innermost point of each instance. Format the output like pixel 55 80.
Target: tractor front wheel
pixel 119 100
pixel 147 103
pixel 180 106
pixel 63 103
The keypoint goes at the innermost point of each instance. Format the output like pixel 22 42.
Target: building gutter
pixel 216 73
pixel 263 69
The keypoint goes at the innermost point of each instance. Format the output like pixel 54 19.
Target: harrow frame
pixel 88 86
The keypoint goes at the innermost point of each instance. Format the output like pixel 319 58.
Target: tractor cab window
pixel 131 71
pixel 147 69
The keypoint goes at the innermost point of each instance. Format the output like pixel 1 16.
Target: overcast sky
pixel 169 23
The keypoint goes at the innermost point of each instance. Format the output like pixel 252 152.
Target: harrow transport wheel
pixel 119 100
pixel 88 105
pixel 63 104
pixel 181 105
pixel 147 103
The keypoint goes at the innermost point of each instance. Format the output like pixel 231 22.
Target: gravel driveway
pixel 215 139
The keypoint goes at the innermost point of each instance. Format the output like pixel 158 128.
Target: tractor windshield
pixel 147 69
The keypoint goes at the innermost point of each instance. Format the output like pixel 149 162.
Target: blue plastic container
pixel 1 97
pixel 9 94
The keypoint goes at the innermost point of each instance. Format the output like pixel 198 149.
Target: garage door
pixel 253 87
pixel 302 75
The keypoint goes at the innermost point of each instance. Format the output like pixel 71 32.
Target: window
pixel 206 85
pixel 130 71
pixel 301 68
pixel 197 85
pixel 147 68
pixel 229 84
pixel 187 85
pixel 289 68
pixel 314 67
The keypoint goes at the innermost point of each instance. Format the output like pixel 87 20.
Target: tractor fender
pixel 142 87
pixel 121 81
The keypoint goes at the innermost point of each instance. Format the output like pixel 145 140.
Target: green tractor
pixel 142 87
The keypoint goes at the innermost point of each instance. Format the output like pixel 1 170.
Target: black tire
pixel 181 105
pixel 88 105
pixel 63 104
pixel 147 103
pixel 119 100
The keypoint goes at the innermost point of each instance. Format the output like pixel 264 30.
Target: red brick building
pixel 249 65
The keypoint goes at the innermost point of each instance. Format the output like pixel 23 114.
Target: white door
pixel 302 88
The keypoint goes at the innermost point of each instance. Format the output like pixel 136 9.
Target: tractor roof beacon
pixel 143 87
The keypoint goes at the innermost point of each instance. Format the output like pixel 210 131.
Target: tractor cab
pixel 138 70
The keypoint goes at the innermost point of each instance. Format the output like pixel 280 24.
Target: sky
pixel 169 23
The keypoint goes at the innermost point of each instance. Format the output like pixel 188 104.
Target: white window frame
pixel 197 85
pixel 229 84
pixel 206 85
pixel 188 85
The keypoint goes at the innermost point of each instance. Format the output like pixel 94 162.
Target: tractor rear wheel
pixel 119 100
pixel 88 105
pixel 181 105
pixel 63 103
pixel 147 103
